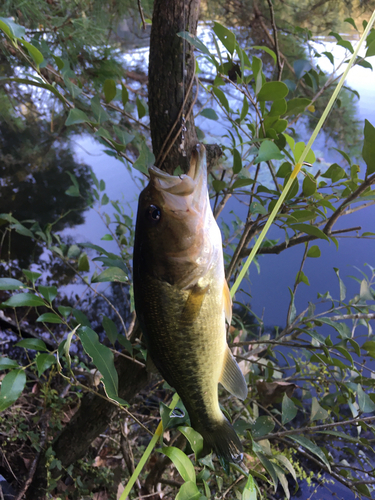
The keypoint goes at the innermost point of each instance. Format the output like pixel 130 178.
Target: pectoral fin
pixel 194 303
pixel 232 378
pixel 227 299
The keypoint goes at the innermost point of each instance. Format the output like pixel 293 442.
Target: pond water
pixel 268 288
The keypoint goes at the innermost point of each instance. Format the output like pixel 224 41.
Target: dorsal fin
pixel 232 378
pixel 227 299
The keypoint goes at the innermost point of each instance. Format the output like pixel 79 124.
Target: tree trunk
pixel 166 80
pixel 165 102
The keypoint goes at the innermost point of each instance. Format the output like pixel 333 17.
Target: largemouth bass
pixel 182 299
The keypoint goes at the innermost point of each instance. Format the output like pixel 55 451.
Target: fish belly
pixel 186 346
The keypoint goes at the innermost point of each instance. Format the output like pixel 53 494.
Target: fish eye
pixel 153 213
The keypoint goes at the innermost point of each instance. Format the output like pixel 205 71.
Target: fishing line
pixel 298 165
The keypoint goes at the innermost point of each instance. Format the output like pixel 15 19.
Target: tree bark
pixel 166 80
pixel 165 102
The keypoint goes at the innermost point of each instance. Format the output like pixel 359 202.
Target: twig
pixel 296 283
pixel 316 428
pixel 141 14
pixel 276 249
pixel 279 64
pixel 356 194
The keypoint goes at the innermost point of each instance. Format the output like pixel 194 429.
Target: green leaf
pixel 309 445
pixel 298 150
pixel 145 159
pixel 370 49
pixel 346 44
pixel 22 230
pixel 262 426
pixel 11 388
pixel 226 37
pixel 245 108
pixel 237 162
pixel 34 83
pixel 189 491
pixel 110 329
pixel 314 252
pixel 34 344
pixel 109 89
pixel 365 403
pixel 43 362
pixel 81 317
pixel 11 28
pixel 218 185
pixel 83 262
pixel 141 108
pixel 73 252
pixel 330 57
pixel 239 183
pixel 181 462
pixel 278 108
pixel 64 311
pixel 36 55
pixel 273 91
pixel 368 151
pixel 124 95
pixel 222 98
pixel 285 170
pixel 309 186
pixel 342 286
pixel 6 363
pixel 209 113
pixel 249 492
pixel 112 274
pixel 193 40
pixel 49 318
pixel 102 358
pixel 335 172
pixel 48 292
pixel 76 116
pixel 302 278
pixel 350 20
pixel 301 67
pixel 30 275
pixel 258 74
pixel 297 105
pixel 288 409
pixel 266 49
pixel 268 151
pixel 286 463
pixel 194 438
pixel 24 299
pixel 11 284
pixel 317 412
pixel 308 229
pixel 100 113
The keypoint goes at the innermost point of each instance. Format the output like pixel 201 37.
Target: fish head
pixel 173 224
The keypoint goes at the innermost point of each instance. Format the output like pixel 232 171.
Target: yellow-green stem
pixel 147 453
pixel 301 160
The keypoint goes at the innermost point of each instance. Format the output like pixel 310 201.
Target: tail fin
pixel 224 441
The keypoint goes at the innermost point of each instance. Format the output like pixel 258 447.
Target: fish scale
pixel 182 299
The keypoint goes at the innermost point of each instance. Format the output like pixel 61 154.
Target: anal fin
pixel 232 378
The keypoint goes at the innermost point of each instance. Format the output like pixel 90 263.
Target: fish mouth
pixel 185 184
